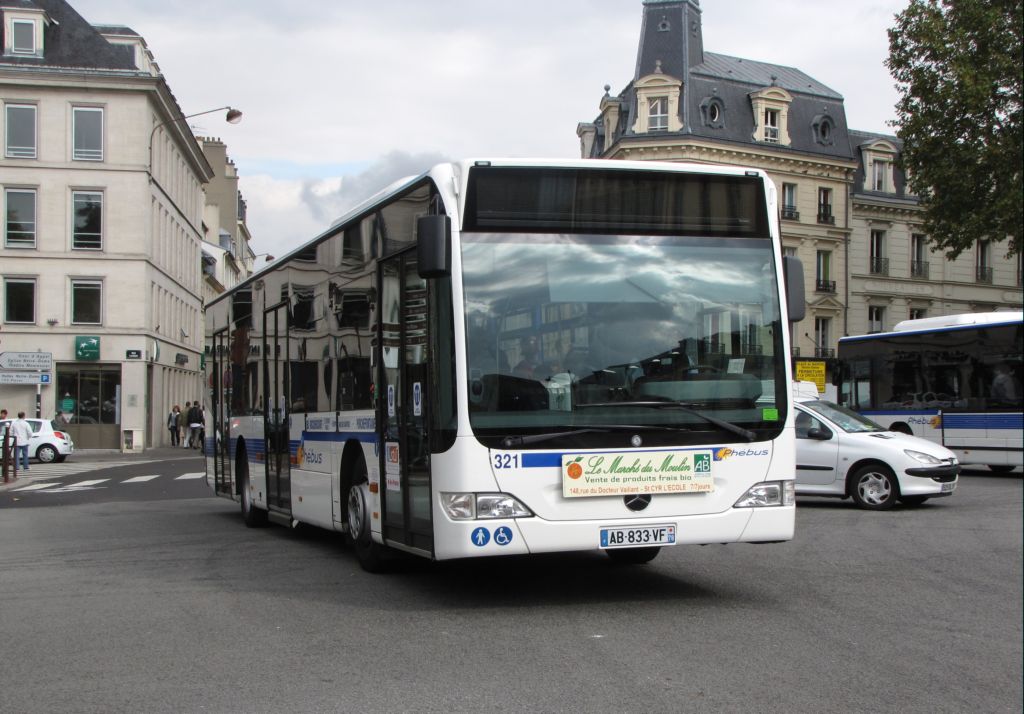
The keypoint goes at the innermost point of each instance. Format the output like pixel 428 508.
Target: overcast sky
pixel 341 97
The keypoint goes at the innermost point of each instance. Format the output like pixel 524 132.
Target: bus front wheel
pixel 633 556
pixel 253 516
pixel 369 554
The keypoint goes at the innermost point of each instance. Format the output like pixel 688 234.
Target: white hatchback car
pixel 48 442
pixel 841 453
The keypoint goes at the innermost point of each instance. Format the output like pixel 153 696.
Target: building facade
pixel 102 238
pixel 844 210
pixel 227 256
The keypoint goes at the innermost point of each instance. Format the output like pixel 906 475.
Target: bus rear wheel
pixel 633 556
pixel 369 553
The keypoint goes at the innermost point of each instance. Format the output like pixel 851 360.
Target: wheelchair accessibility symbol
pixel 502 535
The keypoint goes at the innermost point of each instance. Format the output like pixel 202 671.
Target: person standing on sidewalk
pixel 186 434
pixel 22 433
pixel 195 425
pixel 172 424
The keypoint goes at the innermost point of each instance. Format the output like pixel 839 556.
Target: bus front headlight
pixel 769 493
pixel 470 506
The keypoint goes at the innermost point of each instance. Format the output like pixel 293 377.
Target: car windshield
pixel 576 331
pixel 846 419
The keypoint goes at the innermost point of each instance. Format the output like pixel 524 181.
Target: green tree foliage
pixel 958 68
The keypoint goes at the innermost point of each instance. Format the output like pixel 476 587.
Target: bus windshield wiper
pixel 683 407
pixel 510 441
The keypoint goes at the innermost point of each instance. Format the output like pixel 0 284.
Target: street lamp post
pixel 233 116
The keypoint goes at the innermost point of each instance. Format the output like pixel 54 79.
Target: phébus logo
pixel 726 452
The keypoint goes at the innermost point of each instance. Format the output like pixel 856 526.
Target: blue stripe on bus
pixel 929 331
pixel 961 421
pixel 547 460
pixel 367 437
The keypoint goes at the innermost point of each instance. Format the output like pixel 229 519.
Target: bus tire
pixel 1001 468
pixel 371 555
pixel 252 516
pixel 874 487
pixel 901 428
pixel 633 556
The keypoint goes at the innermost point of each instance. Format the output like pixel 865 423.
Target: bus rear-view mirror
pixel 433 246
pixel 793 277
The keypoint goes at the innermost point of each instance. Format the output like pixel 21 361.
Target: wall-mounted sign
pixel 181 358
pixel 133 354
pixel 39 361
pixel 87 348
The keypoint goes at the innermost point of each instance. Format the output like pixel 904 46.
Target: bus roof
pixel 943 323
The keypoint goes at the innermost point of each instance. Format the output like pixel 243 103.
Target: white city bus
pixel 955 380
pixel 509 356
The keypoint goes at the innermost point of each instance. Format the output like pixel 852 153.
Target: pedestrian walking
pixel 186 433
pixel 195 425
pixel 22 433
pixel 173 425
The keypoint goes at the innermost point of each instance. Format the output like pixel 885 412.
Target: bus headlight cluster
pixel 470 506
pixel 769 493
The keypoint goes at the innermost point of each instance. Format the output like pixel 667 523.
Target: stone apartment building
pixel 103 235
pixel 844 208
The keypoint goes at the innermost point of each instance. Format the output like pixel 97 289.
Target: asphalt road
pixel 169 604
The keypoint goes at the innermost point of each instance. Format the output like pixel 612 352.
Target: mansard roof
pixel 70 41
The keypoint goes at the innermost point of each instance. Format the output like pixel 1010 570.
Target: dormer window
pixel 23 31
pixel 771 126
pixel 23 37
pixel 657 114
pixel 823 128
pixel 879 174
pixel 712 112
pixel 879 156
pixel 771 115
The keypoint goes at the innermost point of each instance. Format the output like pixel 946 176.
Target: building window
pixel 86 302
pixel 789 202
pixel 825 207
pixel 87 232
pixel 918 256
pixel 917 313
pixel 876 318
pixel 984 264
pixel 657 114
pixel 88 133
pixel 824 283
pixel 714 113
pixel 771 126
pixel 879 263
pixel 822 339
pixel 23 37
pixel 789 251
pixel 21 131
pixel 20 300
pixel 879 174
pixel 20 223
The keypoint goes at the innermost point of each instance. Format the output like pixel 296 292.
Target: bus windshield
pixel 580 330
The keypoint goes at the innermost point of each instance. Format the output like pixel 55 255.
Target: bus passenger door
pixel 276 388
pixel 220 381
pixel 403 400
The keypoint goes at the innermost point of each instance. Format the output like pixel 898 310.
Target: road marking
pixel 35 486
pixel 187 477
pixel 83 484
pixel 140 479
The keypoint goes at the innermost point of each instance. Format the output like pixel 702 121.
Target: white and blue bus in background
pixel 513 356
pixel 955 380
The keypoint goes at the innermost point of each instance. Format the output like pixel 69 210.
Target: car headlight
pixel 769 493
pixel 470 506
pixel 926 459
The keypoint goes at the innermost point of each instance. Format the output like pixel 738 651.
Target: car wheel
pixel 46 454
pixel 913 500
pixel 633 556
pixel 874 487
pixel 1001 468
pixel 370 554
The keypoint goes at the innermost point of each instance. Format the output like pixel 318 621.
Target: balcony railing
pixel 825 286
pixel 825 215
pixel 919 269
pixel 790 213
pixel 983 275
pixel 879 266
pixel 824 352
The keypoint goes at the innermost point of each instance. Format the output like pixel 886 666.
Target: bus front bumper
pixel 521 536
